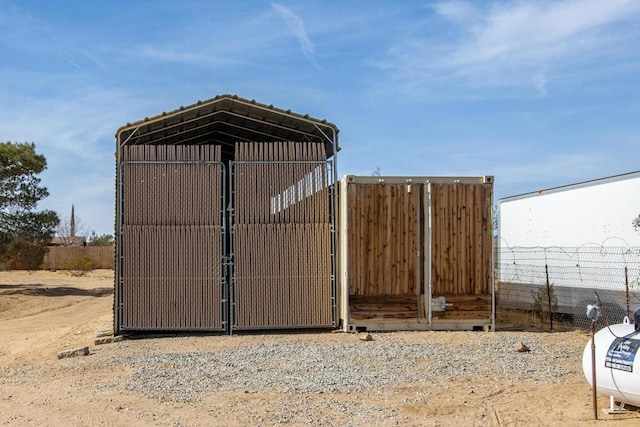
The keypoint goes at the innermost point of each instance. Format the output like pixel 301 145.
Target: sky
pixel 537 94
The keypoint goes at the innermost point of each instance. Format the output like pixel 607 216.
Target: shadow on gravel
pixel 134 335
pixel 58 291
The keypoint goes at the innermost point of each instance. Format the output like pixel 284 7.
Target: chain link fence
pixel 557 283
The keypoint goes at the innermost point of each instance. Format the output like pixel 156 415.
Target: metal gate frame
pixel 118 300
pixel 330 177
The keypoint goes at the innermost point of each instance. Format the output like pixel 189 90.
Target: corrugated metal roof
pixel 225 120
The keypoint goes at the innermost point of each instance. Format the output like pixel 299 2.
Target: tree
pixel 636 223
pixel 24 232
pixel 100 240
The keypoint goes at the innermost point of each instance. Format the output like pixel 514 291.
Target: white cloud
pixel 75 132
pixel 70 61
pixel 540 83
pixel 460 11
pixel 296 25
pixel 19 24
pixel 73 123
pixel 184 55
pixel 538 31
pixel 253 41
pixel 516 43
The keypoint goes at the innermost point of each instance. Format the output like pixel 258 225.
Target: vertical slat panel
pixel 283 254
pixel 466 240
pixel 382 238
pixel 171 229
pixel 383 229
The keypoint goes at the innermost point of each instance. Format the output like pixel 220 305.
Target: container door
pixel 461 261
pixel 385 256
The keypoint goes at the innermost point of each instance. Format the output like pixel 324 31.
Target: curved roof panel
pixel 225 120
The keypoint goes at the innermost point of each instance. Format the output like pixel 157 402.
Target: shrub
pixel 541 302
pixel 78 266
pixel 22 255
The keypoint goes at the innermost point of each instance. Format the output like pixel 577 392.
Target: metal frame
pixel 428 232
pixel 331 174
pixel 246 120
pixel 343 273
pixel 417 179
pixel 308 136
pixel 334 190
pixel 119 246
pixel 209 109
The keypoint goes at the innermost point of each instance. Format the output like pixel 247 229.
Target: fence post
pixel 626 285
pixel 594 387
pixel 546 271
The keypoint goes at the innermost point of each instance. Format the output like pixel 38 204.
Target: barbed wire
pixel 572 274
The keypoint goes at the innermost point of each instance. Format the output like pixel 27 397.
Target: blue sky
pixel 536 93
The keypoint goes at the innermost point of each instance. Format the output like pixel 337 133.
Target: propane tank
pixel 617 361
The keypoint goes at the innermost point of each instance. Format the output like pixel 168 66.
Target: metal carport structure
pixel 176 189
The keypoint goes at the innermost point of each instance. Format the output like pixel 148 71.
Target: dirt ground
pixel 42 313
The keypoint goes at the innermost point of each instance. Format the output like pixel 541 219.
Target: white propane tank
pixel 617 362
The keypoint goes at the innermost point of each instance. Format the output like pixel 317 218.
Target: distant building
pixel 69 241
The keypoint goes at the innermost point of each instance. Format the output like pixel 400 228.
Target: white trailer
pixel 580 238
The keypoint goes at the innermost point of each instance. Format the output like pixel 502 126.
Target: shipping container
pixel 416 253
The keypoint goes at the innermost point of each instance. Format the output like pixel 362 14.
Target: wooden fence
pixel 102 256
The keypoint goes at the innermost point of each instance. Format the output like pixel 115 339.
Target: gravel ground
pixel 349 365
pixel 444 379
pixel 399 378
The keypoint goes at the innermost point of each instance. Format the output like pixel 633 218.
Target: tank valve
pixel 593 312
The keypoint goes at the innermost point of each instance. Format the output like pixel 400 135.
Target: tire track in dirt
pixel 56 327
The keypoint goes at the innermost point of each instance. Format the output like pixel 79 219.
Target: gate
pixel 282 248
pixel 171 246
pixel 179 270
